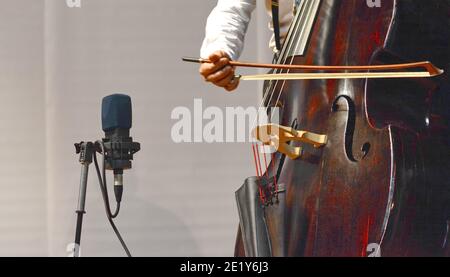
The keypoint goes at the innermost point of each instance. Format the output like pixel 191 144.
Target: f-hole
pixel 345 103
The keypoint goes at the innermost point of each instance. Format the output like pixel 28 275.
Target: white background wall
pixel 23 196
pixel 56 64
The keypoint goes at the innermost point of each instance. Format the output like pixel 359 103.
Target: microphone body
pixel 119 146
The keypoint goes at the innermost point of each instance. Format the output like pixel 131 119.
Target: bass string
pixel 255 147
pixel 283 59
pixel 288 71
pixel 272 86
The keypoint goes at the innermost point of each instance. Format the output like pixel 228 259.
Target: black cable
pixel 104 187
pixel 104 190
pixel 116 213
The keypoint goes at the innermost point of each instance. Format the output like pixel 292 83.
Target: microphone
pixel 119 147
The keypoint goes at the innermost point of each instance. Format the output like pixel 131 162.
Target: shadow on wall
pixel 145 236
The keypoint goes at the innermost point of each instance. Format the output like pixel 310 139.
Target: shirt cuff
pixel 217 46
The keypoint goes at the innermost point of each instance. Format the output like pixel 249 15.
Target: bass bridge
pixel 279 138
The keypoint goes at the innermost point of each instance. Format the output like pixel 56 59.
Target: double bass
pixel 363 165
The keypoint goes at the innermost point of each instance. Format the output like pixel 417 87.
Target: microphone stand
pixel 86 151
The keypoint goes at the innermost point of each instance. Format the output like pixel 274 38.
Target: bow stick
pixel 428 70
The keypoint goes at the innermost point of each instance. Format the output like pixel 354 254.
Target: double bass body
pixel 381 184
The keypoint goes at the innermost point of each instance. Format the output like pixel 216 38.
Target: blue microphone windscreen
pixel 116 112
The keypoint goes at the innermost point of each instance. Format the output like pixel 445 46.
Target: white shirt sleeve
pixel 226 27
